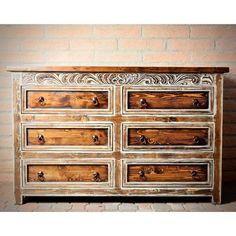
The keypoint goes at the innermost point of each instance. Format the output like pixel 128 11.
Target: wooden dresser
pixel 118 131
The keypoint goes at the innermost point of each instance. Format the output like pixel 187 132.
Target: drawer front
pixel 167 173
pixel 90 137
pixel 91 100
pixel 148 173
pixel 152 100
pixel 67 173
pixel 82 173
pixel 165 136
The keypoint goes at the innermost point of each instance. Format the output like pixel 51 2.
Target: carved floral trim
pixel 72 79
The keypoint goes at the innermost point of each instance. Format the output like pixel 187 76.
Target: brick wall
pixel 147 45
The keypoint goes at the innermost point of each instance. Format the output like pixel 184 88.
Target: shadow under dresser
pixel 118 131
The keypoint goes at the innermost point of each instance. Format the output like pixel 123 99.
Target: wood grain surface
pixel 67 99
pixel 168 100
pixel 167 136
pixel 67 136
pixel 125 69
pixel 162 173
pixel 67 173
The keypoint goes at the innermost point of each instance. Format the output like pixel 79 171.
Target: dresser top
pixel 122 69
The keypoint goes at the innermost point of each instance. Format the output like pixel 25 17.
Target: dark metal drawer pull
pixel 143 103
pixel 95 139
pixel 95 101
pixel 41 176
pixel 194 173
pixel 41 101
pixel 143 139
pixel 96 177
pixel 141 173
pixel 41 139
pixel 196 103
pixel 199 141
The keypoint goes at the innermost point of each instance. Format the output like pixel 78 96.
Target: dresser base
pixel 175 193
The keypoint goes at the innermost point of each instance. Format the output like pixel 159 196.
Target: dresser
pixel 118 131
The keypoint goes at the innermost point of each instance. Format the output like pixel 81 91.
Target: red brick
pixel 117 57
pixel 6 177
pixel 61 206
pixel 68 31
pixel 5 93
pixel 94 207
pixel 6 142
pixel 117 31
pixel 6 166
pixel 165 31
pixel 213 31
pixel 46 44
pixel 9 44
pixel 30 206
pixel 19 31
pixel 144 207
pixel 5 130
pixel 141 44
pixel 232 68
pixel 226 44
pixel 190 44
pixel 91 44
pixel 128 207
pixel 5 81
pixel 214 57
pixel 6 154
pixel 21 57
pixel 170 57
pixel 69 56
pixel 6 105
pixel 78 207
pixel 5 118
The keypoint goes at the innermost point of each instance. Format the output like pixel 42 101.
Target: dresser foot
pixel 19 200
pixel 216 200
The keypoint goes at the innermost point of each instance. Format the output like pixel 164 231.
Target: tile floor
pixel 115 204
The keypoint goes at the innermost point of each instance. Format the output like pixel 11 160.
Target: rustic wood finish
pixel 167 100
pixel 67 137
pixel 118 131
pixel 167 173
pixel 67 173
pixel 132 69
pixel 67 99
pixel 165 136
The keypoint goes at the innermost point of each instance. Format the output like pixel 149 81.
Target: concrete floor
pixel 115 204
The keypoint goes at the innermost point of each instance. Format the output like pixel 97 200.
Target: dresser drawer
pixel 67 173
pixel 78 137
pixel 154 136
pixel 45 173
pixel 167 173
pixel 151 173
pixel 157 101
pixel 51 100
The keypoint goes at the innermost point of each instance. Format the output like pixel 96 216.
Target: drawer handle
pixel 95 139
pixel 41 176
pixel 143 103
pixel 196 103
pixel 141 173
pixel 41 101
pixel 199 141
pixel 196 140
pixel 194 173
pixel 41 139
pixel 143 139
pixel 95 101
pixel 96 177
